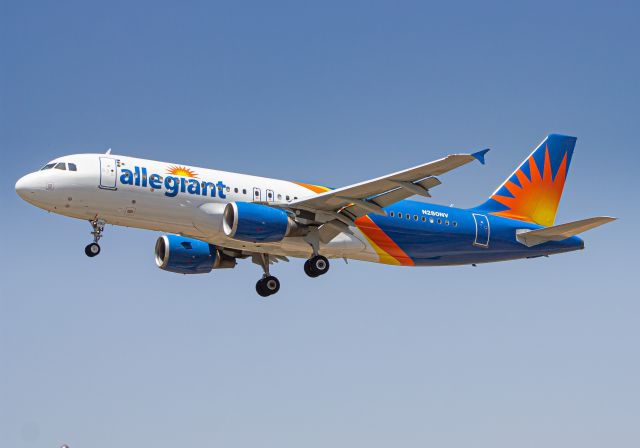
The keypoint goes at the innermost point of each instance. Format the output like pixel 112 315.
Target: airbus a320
pixel 214 218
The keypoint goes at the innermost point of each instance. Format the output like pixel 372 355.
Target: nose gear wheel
pixel 93 249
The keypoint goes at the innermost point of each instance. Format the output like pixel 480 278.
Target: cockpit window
pixel 72 167
pixel 48 166
pixel 60 166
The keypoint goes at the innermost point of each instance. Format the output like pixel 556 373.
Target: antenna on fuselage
pixel 108 151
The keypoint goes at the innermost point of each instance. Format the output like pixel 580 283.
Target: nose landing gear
pixel 93 249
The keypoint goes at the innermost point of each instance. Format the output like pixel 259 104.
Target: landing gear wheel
pixel 267 286
pixel 316 266
pixel 307 268
pixel 92 249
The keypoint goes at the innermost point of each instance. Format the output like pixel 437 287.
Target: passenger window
pixel 279 197
pixel 439 221
pixel 424 219
pixel 235 190
pixel 415 217
pixel 288 198
pixel 446 222
pixel 430 220
pixel 48 166
pixel 72 167
pixel 244 191
pixel 60 166
pixel 408 216
pixel 228 189
pixel 455 223
pixel 391 214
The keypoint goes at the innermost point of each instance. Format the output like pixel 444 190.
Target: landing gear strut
pixel 93 249
pixel 316 266
pixel 268 284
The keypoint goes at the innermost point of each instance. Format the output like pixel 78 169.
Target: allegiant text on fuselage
pixel 171 184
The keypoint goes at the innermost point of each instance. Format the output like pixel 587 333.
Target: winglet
pixel 479 156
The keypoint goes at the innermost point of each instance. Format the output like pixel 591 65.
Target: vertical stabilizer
pixel 532 193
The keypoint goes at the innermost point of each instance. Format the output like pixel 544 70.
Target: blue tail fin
pixel 532 193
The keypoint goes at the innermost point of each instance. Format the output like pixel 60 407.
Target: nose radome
pixel 26 185
pixel 21 186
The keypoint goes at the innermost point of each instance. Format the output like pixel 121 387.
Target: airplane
pixel 214 218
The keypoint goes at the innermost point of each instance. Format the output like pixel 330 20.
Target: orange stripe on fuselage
pixel 315 188
pixel 388 250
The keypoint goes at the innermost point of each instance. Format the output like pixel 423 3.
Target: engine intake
pixel 183 255
pixel 258 223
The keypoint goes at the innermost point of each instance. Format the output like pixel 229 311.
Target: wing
pixel 338 209
pixel 351 202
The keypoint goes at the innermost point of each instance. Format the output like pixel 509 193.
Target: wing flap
pixel 560 232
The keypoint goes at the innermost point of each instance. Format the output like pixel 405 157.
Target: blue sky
pixel 113 351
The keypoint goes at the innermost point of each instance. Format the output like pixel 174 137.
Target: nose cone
pixel 27 187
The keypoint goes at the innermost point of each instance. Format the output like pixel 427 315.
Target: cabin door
pixel 108 173
pixel 482 230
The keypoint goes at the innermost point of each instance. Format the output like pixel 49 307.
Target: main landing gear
pixel 268 284
pixel 93 249
pixel 316 266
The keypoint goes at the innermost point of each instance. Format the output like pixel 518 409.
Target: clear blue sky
pixel 112 351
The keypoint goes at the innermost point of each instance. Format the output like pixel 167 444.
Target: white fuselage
pixel 172 198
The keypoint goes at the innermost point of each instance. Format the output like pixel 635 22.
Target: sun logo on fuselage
pixel 181 171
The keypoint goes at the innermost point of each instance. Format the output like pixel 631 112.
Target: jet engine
pixel 183 255
pixel 258 223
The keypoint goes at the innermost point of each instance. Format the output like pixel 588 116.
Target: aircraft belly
pixel 343 245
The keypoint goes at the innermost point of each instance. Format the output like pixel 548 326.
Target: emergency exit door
pixel 257 194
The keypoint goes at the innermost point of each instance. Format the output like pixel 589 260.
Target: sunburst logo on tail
pixel 534 197
pixel 181 171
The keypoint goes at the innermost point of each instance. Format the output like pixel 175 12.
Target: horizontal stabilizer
pixel 560 232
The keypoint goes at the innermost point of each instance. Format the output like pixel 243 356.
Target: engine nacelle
pixel 258 223
pixel 183 255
